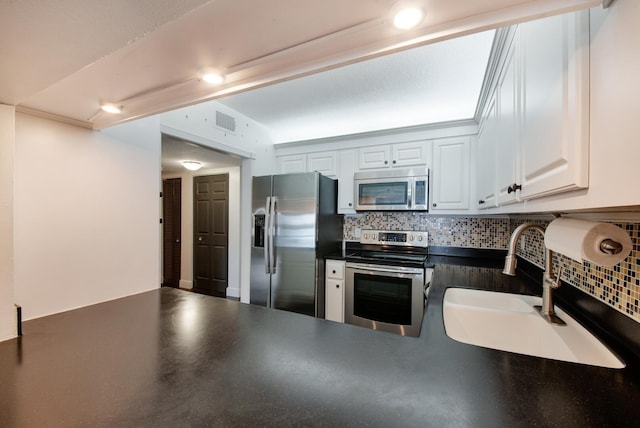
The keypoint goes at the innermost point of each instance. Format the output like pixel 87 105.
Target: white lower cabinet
pixel 450 179
pixel 334 290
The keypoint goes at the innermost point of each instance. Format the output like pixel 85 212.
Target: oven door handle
pixel 385 269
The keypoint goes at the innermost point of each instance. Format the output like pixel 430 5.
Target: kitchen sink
pixel 509 322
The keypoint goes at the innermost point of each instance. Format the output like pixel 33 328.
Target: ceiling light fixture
pixel 408 18
pixel 111 108
pixel 192 165
pixel 213 78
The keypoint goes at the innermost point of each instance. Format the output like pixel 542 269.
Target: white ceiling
pixel 434 83
pixel 63 58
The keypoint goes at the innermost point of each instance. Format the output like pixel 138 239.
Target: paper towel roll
pixel 580 240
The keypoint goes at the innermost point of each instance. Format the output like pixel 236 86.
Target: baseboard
pixel 233 292
pixel 19 320
pixel 187 285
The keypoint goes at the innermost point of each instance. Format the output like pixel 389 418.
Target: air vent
pixel 225 121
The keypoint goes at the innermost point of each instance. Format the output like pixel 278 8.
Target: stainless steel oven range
pixel 386 278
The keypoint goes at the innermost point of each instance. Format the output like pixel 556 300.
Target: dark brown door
pixel 171 235
pixel 211 234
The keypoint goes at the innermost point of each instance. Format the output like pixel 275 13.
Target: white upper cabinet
pixel 373 157
pixel 292 163
pixel 414 153
pixel 541 112
pixel 323 162
pixel 555 105
pixel 486 159
pixel 346 190
pixel 450 176
pixel 506 132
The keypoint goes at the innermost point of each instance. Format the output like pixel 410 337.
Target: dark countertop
pixel 174 358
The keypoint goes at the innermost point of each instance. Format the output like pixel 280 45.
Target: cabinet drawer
pixel 334 303
pixel 335 269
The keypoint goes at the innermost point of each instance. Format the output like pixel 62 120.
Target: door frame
pixel 240 180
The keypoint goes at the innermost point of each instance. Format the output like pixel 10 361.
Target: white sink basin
pixel 508 322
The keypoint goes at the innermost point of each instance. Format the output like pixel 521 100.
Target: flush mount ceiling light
pixel 192 165
pixel 111 108
pixel 408 18
pixel 213 78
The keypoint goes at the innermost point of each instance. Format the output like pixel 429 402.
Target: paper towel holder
pixel 611 247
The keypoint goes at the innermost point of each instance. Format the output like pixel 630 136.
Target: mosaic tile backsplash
pixel 618 286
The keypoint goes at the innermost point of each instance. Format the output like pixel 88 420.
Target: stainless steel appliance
pixel 295 226
pixel 386 280
pixel 392 190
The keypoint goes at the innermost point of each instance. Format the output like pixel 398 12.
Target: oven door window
pixel 382 298
pixel 389 193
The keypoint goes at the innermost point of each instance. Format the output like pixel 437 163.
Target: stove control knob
pixel 419 238
pixel 410 237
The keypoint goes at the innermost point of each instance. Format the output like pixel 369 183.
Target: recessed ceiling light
pixel 408 18
pixel 213 78
pixel 192 165
pixel 111 108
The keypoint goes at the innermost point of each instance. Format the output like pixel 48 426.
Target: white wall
pixel 197 124
pixel 86 213
pixel 7 138
pixel 186 243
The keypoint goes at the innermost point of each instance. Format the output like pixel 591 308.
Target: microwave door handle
pixel 412 185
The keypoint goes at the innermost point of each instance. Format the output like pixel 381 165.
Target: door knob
pixel 199 238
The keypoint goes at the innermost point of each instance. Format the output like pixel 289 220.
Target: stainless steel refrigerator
pixel 295 226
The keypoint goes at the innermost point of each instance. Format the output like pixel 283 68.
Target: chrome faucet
pixel 549 280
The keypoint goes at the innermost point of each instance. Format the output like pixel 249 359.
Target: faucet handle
pixel 555 283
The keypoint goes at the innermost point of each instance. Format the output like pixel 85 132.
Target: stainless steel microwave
pixel 392 190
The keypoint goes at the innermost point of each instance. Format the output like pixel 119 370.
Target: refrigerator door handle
pixel 267 235
pixel 273 209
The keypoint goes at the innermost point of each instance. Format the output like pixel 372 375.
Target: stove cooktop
pixel 398 248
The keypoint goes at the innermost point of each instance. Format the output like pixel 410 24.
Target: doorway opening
pixel 224 259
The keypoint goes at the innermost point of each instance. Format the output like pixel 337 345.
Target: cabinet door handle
pixel 514 187
pixel 333 271
pixel 337 285
pixel 386 162
pixel 481 201
pixel 434 205
pixel 350 204
pixel 394 162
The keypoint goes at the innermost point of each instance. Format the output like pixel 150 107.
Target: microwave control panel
pixel 405 238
